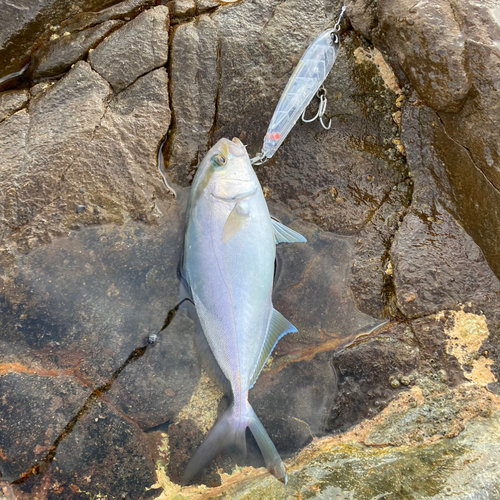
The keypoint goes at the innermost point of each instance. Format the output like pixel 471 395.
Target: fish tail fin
pixel 228 432
pixel 271 456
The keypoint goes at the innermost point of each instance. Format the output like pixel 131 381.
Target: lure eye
pixel 335 38
pixel 219 160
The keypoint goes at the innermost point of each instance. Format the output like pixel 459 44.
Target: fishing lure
pixel 306 81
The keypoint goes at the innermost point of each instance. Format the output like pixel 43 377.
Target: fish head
pixel 226 172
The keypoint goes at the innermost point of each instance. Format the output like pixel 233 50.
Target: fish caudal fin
pixel 229 432
pixel 271 456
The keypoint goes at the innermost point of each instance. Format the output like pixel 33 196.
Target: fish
pixel 226 273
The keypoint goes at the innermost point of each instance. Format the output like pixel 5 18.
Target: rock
pixel 294 401
pixel 118 461
pixel 435 360
pixel 312 293
pixel 336 466
pixel 455 74
pixel 34 410
pixel 114 286
pixel 437 265
pixel 55 56
pixel 26 23
pixel 205 5
pixel 184 437
pixel 137 48
pixel 156 387
pixel 95 142
pixel 182 8
pixel 14 131
pixel 194 83
pixel 125 10
pixel 364 372
pixel 425 41
pixel 372 281
pixel 12 101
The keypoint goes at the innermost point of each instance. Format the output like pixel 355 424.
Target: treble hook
pixel 321 94
pixel 260 159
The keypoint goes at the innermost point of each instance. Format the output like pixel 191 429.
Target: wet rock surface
pixel 395 367
pixel 136 49
pixel 34 411
pixel 56 56
pixel 447 53
pixel 12 101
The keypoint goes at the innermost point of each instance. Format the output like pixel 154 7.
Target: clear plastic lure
pixel 306 80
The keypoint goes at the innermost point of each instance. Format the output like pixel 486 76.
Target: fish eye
pixel 219 160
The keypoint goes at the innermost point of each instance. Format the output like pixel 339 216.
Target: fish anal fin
pixel 235 221
pixel 279 326
pixel 283 234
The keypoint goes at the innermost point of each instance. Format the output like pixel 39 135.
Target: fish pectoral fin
pixel 236 220
pixel 283 234
pixel 279 326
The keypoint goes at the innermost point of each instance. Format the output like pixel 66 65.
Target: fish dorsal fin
pixel 279 326
pixel 236 220
pixel 283 234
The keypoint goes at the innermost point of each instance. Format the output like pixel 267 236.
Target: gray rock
pixel 194 84
pixel 33 412
pixel 437 265
pixel 12 101
pixel 137 48
pixel 204 5
pixel 182 8
pixel 56 55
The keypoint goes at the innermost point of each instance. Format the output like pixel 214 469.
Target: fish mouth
pixel 238 197
pixel 235 148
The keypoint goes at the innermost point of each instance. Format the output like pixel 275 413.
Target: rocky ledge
pixel 390 388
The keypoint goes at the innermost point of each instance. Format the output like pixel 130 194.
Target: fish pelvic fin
pixel 229 432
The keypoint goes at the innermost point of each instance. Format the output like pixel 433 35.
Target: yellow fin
pixel 235 221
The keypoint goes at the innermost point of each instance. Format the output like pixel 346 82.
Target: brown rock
pixel 12 101
pixel 25 23
pixel 152 390
pixel 194 84
pixel 425 41
pixel 34 410
pixel 137 48
pixel 55 56
pixel 437 265
pixel 364 370
pixel 106 454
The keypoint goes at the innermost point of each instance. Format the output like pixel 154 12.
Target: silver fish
pixel 227 272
